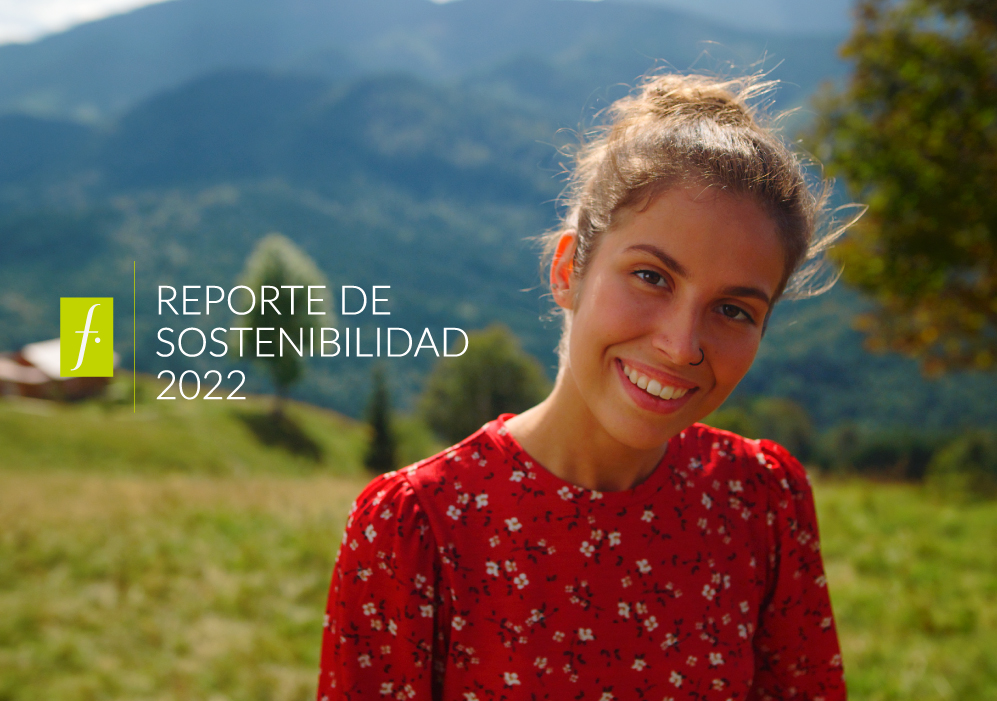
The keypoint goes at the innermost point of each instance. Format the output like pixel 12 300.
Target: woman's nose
pixel 678 337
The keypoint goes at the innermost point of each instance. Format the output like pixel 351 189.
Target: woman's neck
pixel 563 434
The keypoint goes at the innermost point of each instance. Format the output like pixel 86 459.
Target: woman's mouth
pixel 653 387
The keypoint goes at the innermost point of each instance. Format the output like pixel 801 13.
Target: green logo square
pixel 86 336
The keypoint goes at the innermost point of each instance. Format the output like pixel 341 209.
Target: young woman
pixel 603 545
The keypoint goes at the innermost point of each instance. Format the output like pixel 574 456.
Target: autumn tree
pixel 914 135
pixel 278 265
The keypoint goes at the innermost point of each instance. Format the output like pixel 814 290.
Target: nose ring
pixel 702 357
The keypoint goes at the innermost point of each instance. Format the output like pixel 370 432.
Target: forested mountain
pixel 431 180
pixel 97 70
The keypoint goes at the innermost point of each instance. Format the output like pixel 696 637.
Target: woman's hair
pixel 678 129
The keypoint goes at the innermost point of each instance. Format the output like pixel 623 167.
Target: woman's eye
pixel 732 311
pixel 651 277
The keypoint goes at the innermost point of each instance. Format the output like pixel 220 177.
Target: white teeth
pixel 654 387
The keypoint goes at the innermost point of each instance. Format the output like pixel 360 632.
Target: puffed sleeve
pixel 385 599
pixel 797 655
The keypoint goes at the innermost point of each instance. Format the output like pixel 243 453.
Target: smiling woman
pixel 602 544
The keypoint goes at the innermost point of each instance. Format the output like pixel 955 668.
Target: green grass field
pixel 184 553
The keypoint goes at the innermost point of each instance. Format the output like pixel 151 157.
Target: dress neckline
pixel 533 469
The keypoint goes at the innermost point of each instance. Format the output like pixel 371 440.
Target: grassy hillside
pixel 236 438
pixel 125 573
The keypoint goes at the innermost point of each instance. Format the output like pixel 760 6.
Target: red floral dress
pixel 478 575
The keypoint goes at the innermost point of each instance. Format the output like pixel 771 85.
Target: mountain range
pixel 398 142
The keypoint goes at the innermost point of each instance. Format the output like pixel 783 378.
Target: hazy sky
pixel 24 20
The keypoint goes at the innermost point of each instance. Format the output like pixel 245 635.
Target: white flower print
pixel 364 660
pixel 386 514
pixel 481 501
pixel 511 678
pixel 419 581
pixel 650 623
pixel 742 631
pixel 510 566
pixel 586 549
pixel 744 607
pixel 821 581
pixel 558 636
pixel 647 516
pixel 513 524
pixel 643 566
pixel 641 608
pixel 638 664
pixel 386 688
pixel 691 660
pixel 585 634
pixel 376 624
pixel 709 592
pixel 354 544
pixel 676 678
pixel 385 649
pixel 463 499
pixel 458 622
pixel 564 493
pixel 614 539
pixel 453 512
pixel 494 541
pixel 716 659
pixel 370 533
pixel 596 495
pixel 369 609
pixel 606 696
pixel 364 574
pixel 392 627
pixel 825 622
pixel 470 696
pixel 521 581
pixel 735 486
pixel 540 662
pixel 517 476
pixel 492 568
pixel 626 582
pixel 623 608
pixel 707 501
pixel 426 610
pixel 670 640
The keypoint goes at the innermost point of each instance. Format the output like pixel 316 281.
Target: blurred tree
pixel 277 263
pixel 382 451
pixel 914 134
pixel 781 420
pixel 494 376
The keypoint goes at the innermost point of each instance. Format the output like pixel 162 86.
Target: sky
pixel 24 20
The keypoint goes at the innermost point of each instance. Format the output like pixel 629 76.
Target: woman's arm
pixel 384 601
pixel 797 655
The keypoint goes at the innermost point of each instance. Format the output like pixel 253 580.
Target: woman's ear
pixel 562 269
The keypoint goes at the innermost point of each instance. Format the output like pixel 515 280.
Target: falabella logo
pixel 86 336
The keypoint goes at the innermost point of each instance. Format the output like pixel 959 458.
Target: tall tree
pixel 914 135
pixel 382 451
pixel 283 269
pixel 493 376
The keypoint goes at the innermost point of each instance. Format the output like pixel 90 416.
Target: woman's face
pixel 672 304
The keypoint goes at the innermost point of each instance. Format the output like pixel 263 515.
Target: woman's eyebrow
pixel 665 259
pixel 753 292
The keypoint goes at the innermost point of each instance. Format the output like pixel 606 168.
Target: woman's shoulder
pixel 420 485
pixel 771 462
